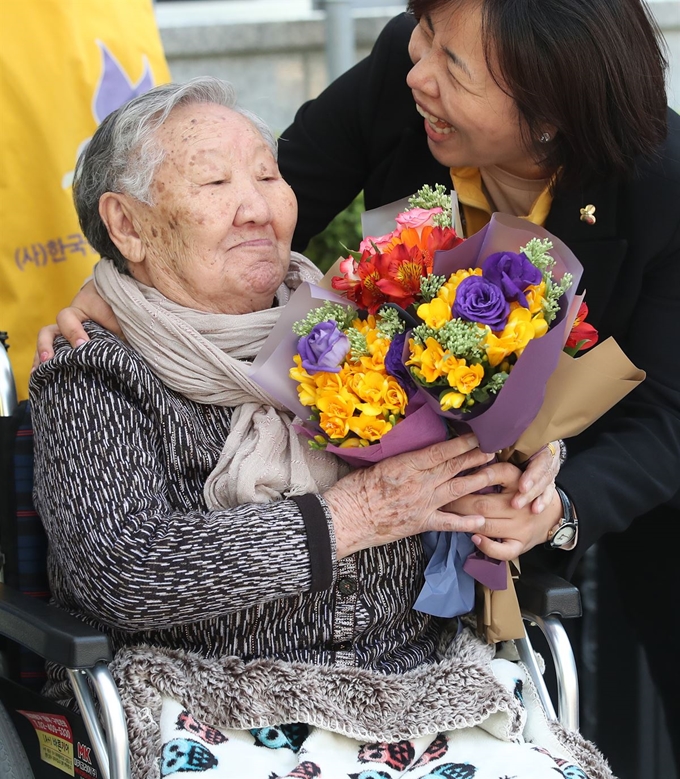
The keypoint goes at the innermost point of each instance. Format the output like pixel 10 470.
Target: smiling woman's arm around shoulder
pixel 87 305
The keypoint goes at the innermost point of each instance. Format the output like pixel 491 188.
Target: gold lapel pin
pixel 588 215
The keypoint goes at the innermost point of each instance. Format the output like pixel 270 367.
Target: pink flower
pixel 382 242
pixel 348 268
pixel 417 218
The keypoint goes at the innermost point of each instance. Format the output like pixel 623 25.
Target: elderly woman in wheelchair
pixel 258 597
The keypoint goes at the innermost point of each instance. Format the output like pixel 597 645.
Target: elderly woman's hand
pixel 86 305
pixel 404 495
pixel 508 531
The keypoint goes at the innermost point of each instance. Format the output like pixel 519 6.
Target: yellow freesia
pixel 333 426
pixel 394 396
pixel 416 351
pixel 535 295
pixel 306 386
pixel 451 400
pixel 435 314
pixel 328 383
pixel 434 362
pixel 307 394
pixel 540 325
pixel 353 443
pixel 517 333
pixel 299 373
pixel 377 348
pixel 364 325
pixel 370 428
pixel 370 386
pixel 339 404
pixel 465 378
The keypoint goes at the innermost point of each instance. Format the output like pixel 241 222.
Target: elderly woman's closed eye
pixel 205 525
pixel 216 232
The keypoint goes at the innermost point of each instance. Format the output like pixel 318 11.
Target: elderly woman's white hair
pixel 123 155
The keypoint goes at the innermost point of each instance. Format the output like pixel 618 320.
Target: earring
pixel 545 137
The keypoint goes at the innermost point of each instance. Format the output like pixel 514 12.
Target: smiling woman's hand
pixel 507 531
pixel 536 486
pixel 87 305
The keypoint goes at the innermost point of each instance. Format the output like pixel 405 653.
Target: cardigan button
pixel 347 585
pixel 341 646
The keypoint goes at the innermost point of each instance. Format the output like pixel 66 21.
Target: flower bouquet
pixel 472 358
pixel 471 319
pixel 347 371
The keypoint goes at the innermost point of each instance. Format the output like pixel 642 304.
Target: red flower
pixel 393 275
pixel 582 335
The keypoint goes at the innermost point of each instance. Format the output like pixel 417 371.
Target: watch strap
pixel 568 518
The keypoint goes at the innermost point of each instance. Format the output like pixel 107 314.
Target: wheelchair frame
pixel 85 652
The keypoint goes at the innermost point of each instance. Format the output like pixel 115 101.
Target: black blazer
pixel 363 132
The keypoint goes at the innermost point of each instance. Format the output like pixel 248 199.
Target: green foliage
pixel 430 286
pixel 457 337
pixel 358 344
pixel 344 231
pixel 327 312
pixel 389 322
pixel 537 251
pixel 428 198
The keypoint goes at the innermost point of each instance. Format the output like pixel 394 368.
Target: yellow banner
pixel 65 64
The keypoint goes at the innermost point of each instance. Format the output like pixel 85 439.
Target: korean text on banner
pixel 65 66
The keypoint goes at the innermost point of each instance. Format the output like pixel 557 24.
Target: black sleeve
pixel 628 462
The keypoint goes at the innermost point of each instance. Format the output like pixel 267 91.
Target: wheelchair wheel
pixel 13 761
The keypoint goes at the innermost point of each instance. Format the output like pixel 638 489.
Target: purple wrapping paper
pixel 421 427
pixel 486 570
pixel 500 424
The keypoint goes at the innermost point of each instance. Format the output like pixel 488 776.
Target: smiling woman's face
pixel 469 119
pixel 218 235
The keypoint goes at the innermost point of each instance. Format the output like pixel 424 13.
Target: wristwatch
pixel 564 534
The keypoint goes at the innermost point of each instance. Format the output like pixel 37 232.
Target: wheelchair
pixel 40 739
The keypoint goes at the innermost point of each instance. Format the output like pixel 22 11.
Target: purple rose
pixel 478 300
pixel 513 273
pixel 324 348
pixel 395 367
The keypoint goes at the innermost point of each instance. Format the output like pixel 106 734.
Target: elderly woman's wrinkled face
pixel 218 235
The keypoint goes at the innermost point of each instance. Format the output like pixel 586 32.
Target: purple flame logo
pixel 113 90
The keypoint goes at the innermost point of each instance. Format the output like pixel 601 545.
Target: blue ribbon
pixel 448 590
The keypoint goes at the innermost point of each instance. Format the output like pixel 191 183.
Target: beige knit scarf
pixel 206 357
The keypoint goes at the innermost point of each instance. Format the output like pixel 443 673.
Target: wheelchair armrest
pixel 51 632
pixel 543 594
